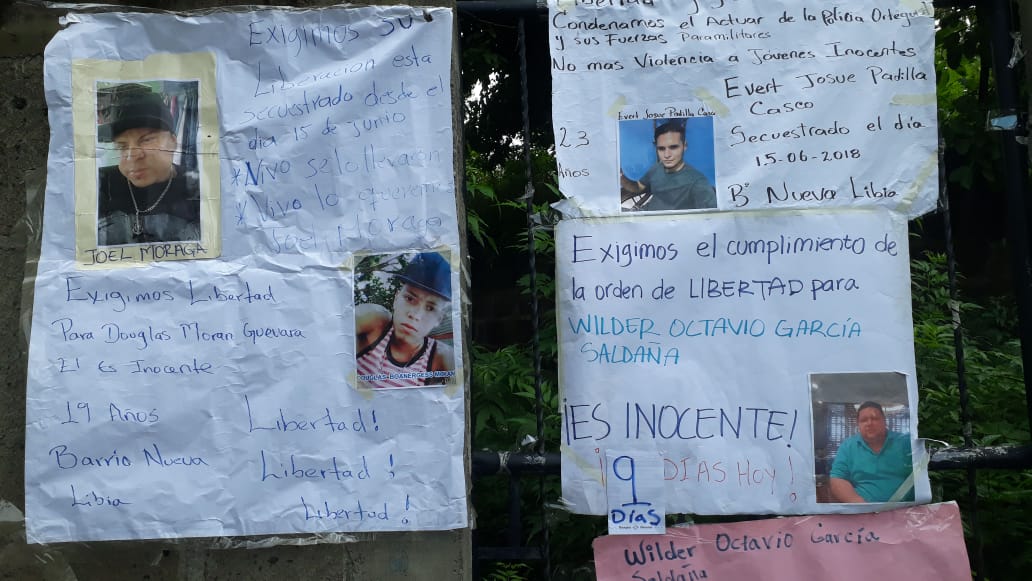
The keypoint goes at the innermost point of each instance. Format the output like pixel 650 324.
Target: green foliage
pixel 993 374
pixel 491 85
pixel 505 415
pixel 504 400
pixel 374 285
pixel 496 197
pixel 481 201
pixel 509 572
pixel 962 87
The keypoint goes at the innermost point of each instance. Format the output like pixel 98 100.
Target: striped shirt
pixel 378 369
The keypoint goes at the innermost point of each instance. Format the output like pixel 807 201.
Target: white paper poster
pixel 215 185
pixel 747 349
pixel 674 105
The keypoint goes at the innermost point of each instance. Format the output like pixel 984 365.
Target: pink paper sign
pixel 922 543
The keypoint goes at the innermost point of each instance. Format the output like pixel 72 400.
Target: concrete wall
pixel 24 31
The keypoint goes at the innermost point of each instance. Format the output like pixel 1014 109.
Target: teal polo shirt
pixel 876 477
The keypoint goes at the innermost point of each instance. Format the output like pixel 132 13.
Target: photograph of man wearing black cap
pixel 403 320
pixel 152 193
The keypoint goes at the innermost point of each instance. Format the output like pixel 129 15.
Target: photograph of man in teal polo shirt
pixel 874 465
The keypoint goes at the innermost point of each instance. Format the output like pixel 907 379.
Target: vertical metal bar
pixel 1015 168
pixel 514 534
pixel 528 161
pixel 962 386
pixel 531 232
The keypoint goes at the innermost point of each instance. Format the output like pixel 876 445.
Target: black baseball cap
pixel 138 107
pixel 430 272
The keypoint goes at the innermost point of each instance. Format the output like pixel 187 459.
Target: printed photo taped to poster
pixel 864 438
pixel 667 158
pixel 404 336
pixel 147 185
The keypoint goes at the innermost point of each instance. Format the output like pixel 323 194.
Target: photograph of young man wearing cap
pixel 146 197
pixel 394 346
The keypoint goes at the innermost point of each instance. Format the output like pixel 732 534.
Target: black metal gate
pixel 518 29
